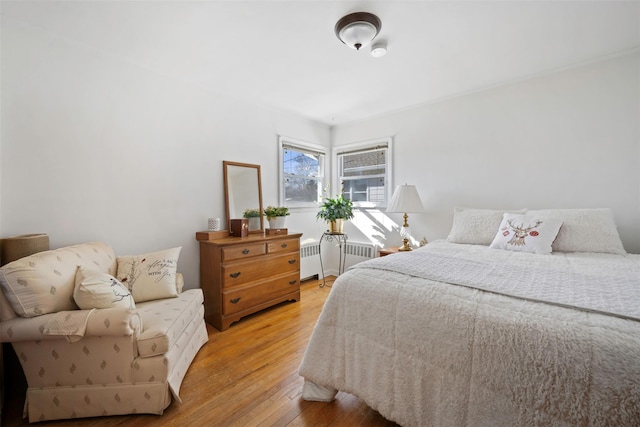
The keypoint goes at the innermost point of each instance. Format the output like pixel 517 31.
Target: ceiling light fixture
pixel 358 29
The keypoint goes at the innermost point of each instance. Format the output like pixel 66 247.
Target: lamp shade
pixel 405 199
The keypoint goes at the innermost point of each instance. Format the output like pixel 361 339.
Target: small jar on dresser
pixel 240 276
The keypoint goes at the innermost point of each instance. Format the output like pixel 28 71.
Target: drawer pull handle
pixel 293 282
pixel 284 245
pixel 246 251
pixel 292 261
pixel 234 275
pixel 234 300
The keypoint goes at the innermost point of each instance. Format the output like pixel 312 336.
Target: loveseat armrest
pixel 97 322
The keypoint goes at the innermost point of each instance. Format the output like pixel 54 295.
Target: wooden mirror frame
pixel 237 211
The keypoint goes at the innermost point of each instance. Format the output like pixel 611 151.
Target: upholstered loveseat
pixel 93 345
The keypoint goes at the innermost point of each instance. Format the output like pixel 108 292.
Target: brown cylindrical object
pixel 16 247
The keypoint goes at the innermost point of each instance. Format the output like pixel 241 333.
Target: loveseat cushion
pixel 44 282
pixel 165 320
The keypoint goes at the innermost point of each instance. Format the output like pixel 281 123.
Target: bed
pixel 464 333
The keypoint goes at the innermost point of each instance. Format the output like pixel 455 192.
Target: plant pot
pixel 336 226
pixel 277 222
pixel 254 223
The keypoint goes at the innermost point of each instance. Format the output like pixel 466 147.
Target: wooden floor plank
pixel 245 376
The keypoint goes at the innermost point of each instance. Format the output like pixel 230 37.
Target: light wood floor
pixel 246 376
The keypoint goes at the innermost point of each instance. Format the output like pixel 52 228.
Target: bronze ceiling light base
pixel 358 29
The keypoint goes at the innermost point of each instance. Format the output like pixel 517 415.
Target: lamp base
pixel 405 246
pixel 405 233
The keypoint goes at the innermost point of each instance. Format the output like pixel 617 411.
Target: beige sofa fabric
pixel 166 320
pixel 101 400
pixel 105 322
pixel 6 311
pixel 105 376
pixel 43 283
pixel 102 371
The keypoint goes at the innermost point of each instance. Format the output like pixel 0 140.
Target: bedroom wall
pixel 569 139
pixel 95 147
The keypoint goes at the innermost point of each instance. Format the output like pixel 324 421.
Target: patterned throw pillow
pixel 150 276
pixel 97 289
pixel 526 233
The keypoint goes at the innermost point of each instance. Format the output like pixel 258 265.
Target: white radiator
pixel 359 251
pixel 310 260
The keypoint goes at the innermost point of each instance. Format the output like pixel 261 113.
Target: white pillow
pixel 476 226
pixel 585 230
pixel 97 289
pixel 150 276
pixel 526 233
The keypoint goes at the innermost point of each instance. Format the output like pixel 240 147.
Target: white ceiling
pixel 284 54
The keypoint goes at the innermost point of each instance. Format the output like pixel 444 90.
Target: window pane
pixel 365 190
pixel 364 163
pixel 364 174
pixel 298 189
pixel 301 163
pixel 302 175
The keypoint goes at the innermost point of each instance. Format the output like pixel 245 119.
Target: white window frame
pixel 363 146
pixel 297 144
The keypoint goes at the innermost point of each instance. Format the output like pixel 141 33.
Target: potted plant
pixel 335 210
pixel 276 216
pixel 254 218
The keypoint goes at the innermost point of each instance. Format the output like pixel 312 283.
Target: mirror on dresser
pixel 243 191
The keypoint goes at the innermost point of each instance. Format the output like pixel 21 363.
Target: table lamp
pixel 405 199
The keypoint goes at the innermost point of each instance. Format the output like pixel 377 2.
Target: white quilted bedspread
pixel 608 284
pixel 423 352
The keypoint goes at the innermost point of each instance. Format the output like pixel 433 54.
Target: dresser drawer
pixel 240 273
pixel 242 251
pixel 238 299
pixel 288 245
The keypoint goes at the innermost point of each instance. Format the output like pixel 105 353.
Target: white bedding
pixel 424 352
pixel 604 283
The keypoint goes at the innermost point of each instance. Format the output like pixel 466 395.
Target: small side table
pixel 388 251
pixel 341 238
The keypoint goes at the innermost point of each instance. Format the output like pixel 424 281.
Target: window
pixel 364 172
pixel 302 173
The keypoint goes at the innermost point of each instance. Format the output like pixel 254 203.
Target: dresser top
pixel 251 238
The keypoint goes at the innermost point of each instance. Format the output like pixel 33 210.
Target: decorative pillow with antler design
pixel 526 233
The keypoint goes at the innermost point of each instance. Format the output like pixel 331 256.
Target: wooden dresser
pixel 242 275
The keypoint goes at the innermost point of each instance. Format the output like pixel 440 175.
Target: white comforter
pixel 425 352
